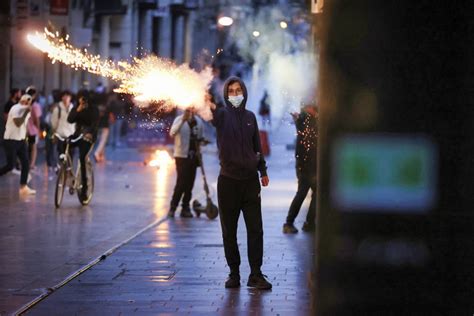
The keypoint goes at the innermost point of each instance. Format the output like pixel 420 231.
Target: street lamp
pixel 225 21
pixel 256 33
pixel 283 24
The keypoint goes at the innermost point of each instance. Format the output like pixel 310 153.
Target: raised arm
pixel 72 117
pixel 176 126
pixel 262 165
pixel 19 120
pixel 217 115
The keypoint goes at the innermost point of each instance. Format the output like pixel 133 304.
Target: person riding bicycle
pixel 86 117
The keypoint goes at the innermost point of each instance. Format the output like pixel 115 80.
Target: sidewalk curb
pixel 91 264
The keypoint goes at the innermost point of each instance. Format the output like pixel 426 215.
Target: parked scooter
pixel 210 208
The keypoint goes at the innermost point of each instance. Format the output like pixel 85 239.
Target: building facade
pixel 114 29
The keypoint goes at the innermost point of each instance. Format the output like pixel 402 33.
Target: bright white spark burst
pixel 150 80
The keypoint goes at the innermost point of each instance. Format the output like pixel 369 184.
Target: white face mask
pixel 236 100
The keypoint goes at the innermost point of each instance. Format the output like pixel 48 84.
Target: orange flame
pixel 161 158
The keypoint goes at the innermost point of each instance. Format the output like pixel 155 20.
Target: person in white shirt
pixel 15 141
pixel 59 123
pixel 187 130
pixel 33 126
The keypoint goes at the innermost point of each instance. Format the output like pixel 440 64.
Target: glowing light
pixel 283 24
pixel 256 33
pixel 225 21
pixel 161 158
pixel 150 80
pixel 59 50
pixel 162 161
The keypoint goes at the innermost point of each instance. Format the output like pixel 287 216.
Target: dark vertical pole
pixel 396 91
pixel 11 66
pixel 185 28
pixel 156 35
pixel 141 30
pixel 45 71
pixel 174 20
pixel 5 49
pixel 61 67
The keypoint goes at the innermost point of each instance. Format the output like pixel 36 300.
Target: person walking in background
pixel 33 127
pixel 59 120
pixel 264 110
pixel 15 141
pixel 49 139
pixel 187 130
pixel 238 187
pixel 104 129
pixel 15 95
pixel 306 169
pixel 117 109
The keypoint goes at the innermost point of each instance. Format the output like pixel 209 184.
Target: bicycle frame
pixel 68 178
pixel 66 159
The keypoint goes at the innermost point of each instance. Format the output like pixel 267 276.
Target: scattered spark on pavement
pixel 161 158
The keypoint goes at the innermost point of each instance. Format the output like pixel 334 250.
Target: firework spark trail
pixel 151 79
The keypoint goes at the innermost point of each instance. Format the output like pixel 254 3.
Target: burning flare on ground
pixel 150 80
pixel 161 158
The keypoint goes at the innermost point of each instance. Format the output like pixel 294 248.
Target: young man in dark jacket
pixel 305 155
pixel 238 186
pixel 86 117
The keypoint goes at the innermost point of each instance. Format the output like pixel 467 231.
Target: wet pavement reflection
pixel 42 245
pixel 177 266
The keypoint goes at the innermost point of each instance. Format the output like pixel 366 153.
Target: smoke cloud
pixel 284 61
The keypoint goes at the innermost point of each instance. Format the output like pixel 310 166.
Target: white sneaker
pixel 27 191
pixel 16 171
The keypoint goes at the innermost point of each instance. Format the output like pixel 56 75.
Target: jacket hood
pixel 244 90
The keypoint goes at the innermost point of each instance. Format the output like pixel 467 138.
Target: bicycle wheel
pixel 90 184
pixel 211 210
pixel 60 185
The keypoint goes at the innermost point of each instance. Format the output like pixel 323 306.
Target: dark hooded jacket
pixel 238 139
pixel 87 120
pixel 306 145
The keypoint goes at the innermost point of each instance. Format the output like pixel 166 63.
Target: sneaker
pixel 171 212
pixel 289 229
pixel 25 190
pixel 186 212
pixel 259 282
pixel 83 195
pixel 233 281
pixel 307 227
pixel 16 171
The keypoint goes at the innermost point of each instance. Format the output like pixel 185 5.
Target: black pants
pixel 61 148
pixel 186 174
pixel 84 149
pixel 235 196
pixel 304 184
pixel 50 152
pixel 14 149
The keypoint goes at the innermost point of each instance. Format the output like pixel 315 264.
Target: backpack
pixel 47 118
